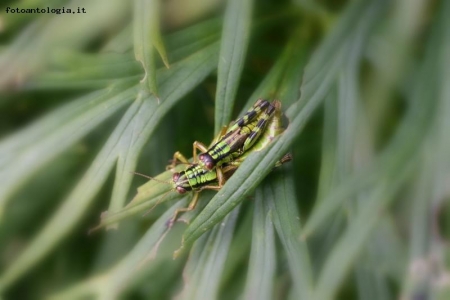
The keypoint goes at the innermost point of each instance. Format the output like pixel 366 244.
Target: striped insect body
pixel 211 168
pixel 240 136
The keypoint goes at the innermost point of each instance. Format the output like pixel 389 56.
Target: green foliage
pixel 88 99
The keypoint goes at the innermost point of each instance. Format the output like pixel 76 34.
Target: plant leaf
pixel 184 77
pixel 430 189
pixel 73 70
pixel 261 273
pixel 317 81
pixel 147 38
pixel 206 262
pixel 31 51
pixel 287 223
pixel 112 281
pixel 235 39
pixel 403 153
pixel 26 152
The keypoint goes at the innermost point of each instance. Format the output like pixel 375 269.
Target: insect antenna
pixel 151 178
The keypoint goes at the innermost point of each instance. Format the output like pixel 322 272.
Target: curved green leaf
pixel 32 49
pixel 206 262
pixel 235 39
pixel 430 188
pixel 317 81
pixel 262 266
pixel 403 153
pixel 287 223
pixel 111 282
pixel 147 38
pixel 26 152
pixel 184 77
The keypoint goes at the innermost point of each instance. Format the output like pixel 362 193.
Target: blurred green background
pixel 88 97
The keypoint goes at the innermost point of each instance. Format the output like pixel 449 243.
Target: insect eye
pixel 175 177
pixel 207 160
pixel 181 190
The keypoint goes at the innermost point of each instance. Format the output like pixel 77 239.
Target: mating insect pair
pixel 210 170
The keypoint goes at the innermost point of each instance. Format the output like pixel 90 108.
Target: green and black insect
pixel 233 140
pixel 252 132
pixel 241 136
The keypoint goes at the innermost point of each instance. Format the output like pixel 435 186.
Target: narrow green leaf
pixel 235 39
pixel 327 177
pixel 345 253
pixel 431 186
pixel 204 268
pixel 73 70
pixel 111 282
pixel 283 80
pixel 239 248
pixel 352 127
pixel 141 255
pixel 287 223
pixel 262 264
pixel 316 84
pixel 121 42
pixel 71 210
pixel 184 40
pixel 382 262
pixel 79 70
pixel 26 152
pixel 147 39
pixel 372 285
pixel 288 90
pixel 184 77
pixel 86 289
pixel 267 88
pixel 149 195
pixel 32 49
pixel 404 150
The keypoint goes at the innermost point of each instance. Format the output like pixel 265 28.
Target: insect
pixel 195 178
pixel 274 129
pixel 238 139
pixel 229 149
pixel 233 140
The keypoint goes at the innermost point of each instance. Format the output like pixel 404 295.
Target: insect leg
pixel 221 133
pixel 190 207
pixel 221 179
pixel 200 146
pixel 259 128
pixel 177 156
pixel 259 106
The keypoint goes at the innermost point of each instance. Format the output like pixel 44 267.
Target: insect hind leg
pixel 177 159
pixel 190 207
pixel 259 106
pixel 258 129
pixel 200 146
